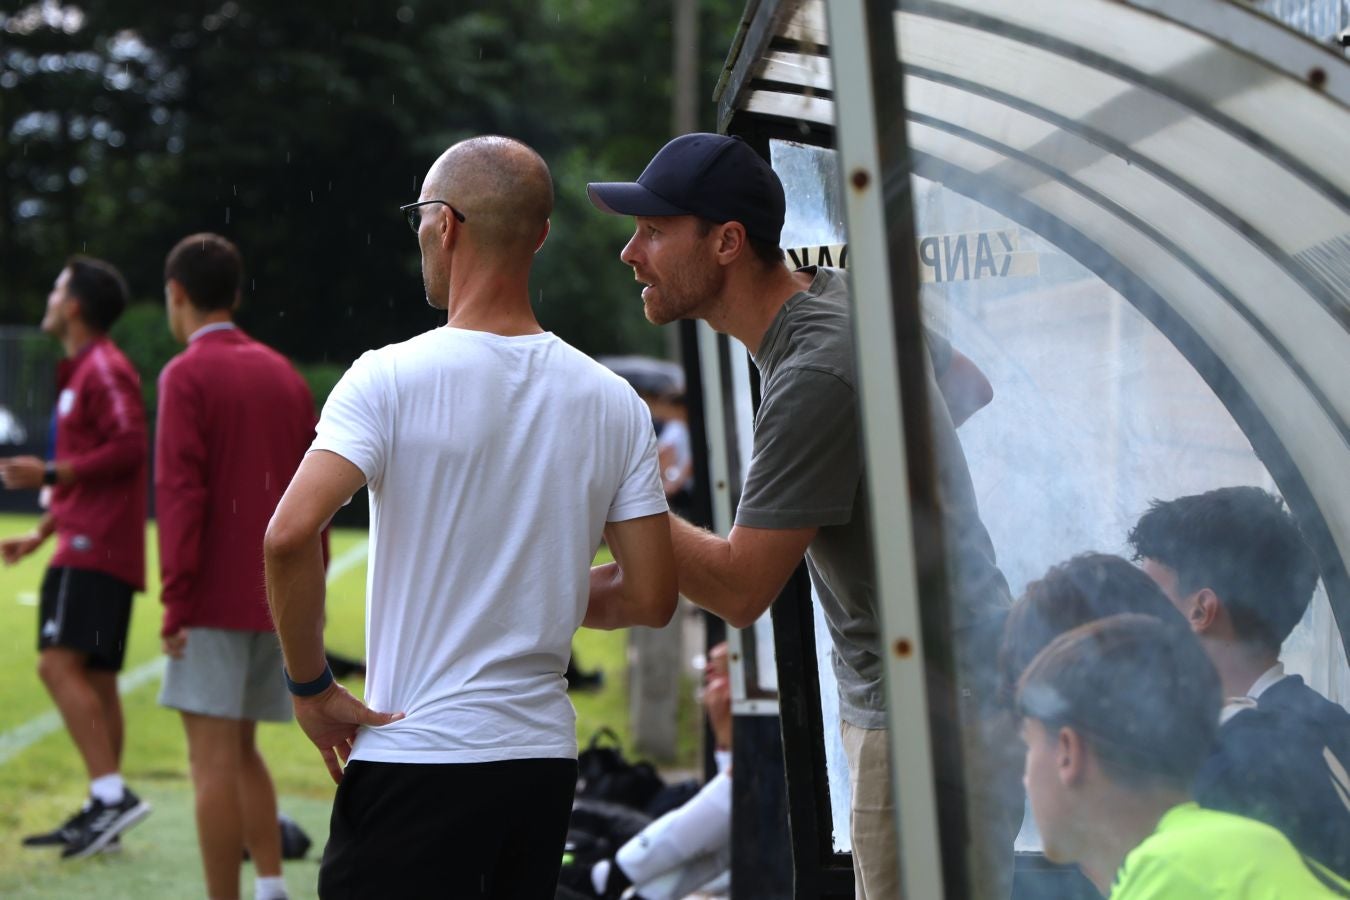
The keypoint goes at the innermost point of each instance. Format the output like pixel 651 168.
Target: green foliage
pixel 321 378
pixel 143 335
pixel 297 128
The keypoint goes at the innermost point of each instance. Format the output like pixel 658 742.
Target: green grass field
pixel 44 781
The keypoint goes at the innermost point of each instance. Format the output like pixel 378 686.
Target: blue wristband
pixel 309 688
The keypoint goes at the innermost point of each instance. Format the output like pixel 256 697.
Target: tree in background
pixel 296 130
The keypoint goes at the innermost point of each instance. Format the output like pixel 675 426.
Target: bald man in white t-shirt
pixel 480 555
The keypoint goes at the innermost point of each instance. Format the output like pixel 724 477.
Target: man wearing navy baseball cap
pixel 709 214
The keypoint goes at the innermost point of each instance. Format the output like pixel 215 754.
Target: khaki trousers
pixel 876 862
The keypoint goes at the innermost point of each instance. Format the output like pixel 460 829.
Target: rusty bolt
pixel 860 178
pixel 903 648
pixel 1317 77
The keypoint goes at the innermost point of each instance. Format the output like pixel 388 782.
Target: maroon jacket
pixel 100 432
pixel 235 419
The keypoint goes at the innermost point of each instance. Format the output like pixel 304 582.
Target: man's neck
pixel 494 301
pixel 215 317
pixel 1239 666
pixel 752 300
pixel 1127 819
pixel 76 339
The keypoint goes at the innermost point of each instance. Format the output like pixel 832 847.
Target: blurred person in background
pixel 1118 716
pixel 97 482
pixel 689 848
pixel 674 449
pixel 235 419
pixel 1235 564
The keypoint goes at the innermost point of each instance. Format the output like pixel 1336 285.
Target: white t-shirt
pixel 493 464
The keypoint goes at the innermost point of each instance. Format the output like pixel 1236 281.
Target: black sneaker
pixel 60 836
pixel 104 822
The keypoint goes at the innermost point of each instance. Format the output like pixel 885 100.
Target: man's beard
pixel 681 295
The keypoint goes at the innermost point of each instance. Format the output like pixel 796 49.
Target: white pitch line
pixel 349 560
pixel 21 737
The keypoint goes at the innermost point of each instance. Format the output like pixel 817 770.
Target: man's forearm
pixel 45 527
pixel 707 576
pixel 118 456
pixel 295 592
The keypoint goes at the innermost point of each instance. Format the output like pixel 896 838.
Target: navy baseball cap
pixel 709 175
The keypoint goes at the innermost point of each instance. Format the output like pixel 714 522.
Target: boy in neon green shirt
pixel 1118 715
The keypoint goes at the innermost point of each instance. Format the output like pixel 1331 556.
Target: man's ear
pixel 1070 756
pixel 448 228
pixel 1205 610
pixel 177 294
pixel 543 236
pixel 731 242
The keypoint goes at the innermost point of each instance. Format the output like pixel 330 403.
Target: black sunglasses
pixel 413 212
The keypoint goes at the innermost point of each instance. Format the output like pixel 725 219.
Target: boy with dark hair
pixel 1086 588
pixel 235 418
pixel 97 511
pixel 1117 716
pixel 1234 563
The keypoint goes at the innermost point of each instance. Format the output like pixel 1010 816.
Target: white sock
pixel 270 887
pixel 108 789
pixel 600 875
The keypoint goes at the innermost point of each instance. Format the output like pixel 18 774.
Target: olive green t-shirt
pixel 807 471
pixel 1204 854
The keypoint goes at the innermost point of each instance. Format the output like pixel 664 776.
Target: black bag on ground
pixel 604 774
pixel 615 823
pixel 672 796
pixel 598 829
pixel 294 842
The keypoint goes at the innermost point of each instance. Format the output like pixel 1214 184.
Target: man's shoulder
pixel 1291 704
pixel 810 380
pixel 817 329
pixel 106 366
pixel 1282 738
pixel 179 366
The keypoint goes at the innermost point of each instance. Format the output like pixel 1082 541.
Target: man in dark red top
pixel 235 419
pixel 97 512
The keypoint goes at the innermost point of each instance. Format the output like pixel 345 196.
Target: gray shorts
pixel 228 674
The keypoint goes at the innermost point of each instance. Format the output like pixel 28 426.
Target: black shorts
pixel 85 611
pixel 463 831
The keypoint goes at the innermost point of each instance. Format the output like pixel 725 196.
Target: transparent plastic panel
pixel 1057 145
pixel 815 219
pixel 1095 413
pixel 1177 59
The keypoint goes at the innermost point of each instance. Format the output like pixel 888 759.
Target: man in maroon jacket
pixel 235 419
pixel 97 511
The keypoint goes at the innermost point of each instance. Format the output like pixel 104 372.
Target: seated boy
pixel 1087 587
pixel 1118 715
pixel 1235 564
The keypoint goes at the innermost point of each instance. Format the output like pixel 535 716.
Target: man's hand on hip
pixel 175 644
pixel 331 720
